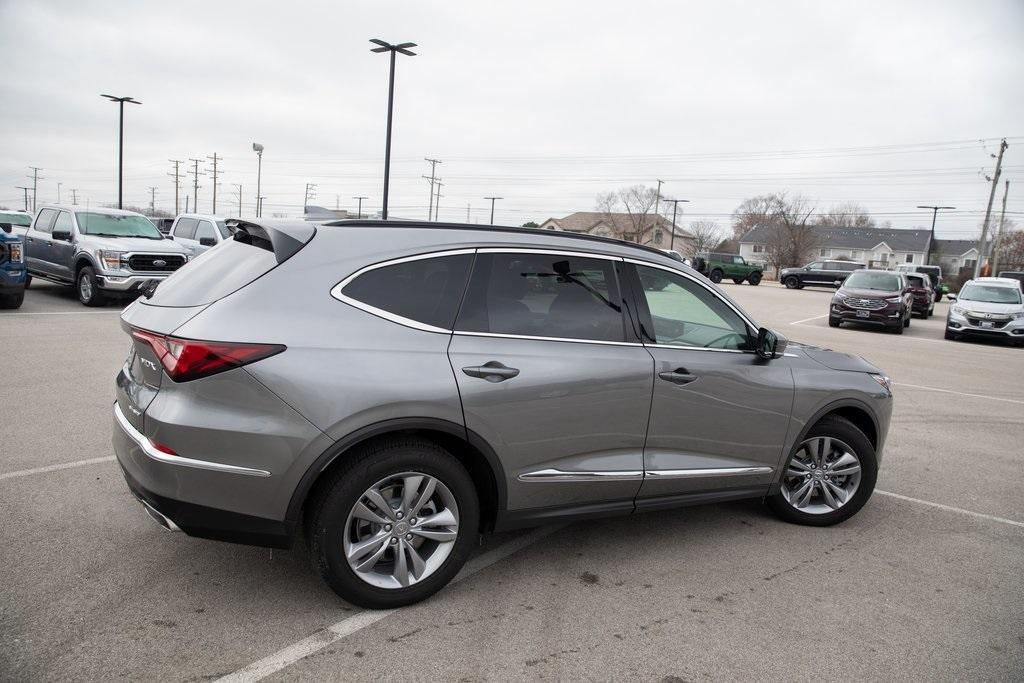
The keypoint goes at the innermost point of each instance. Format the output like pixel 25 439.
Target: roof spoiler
pixel 282 238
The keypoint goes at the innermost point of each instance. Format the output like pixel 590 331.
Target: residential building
pixel 954 255
pixel 878 247
pixel 656 230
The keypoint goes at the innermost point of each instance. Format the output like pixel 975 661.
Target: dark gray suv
pixel 390 390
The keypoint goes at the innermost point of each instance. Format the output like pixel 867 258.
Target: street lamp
pixel 258 148
pixel 120 145
pixel 492 207
pixel 404 49
pixel 360 212
pixel 931 240
pixel 675 207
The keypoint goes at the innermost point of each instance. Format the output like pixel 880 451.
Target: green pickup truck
pixel 720 266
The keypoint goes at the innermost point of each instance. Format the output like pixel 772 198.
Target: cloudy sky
pixel 891 104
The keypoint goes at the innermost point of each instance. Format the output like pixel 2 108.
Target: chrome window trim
pixel 708 472
pixel 556 475
pixel 143 443
pixel 542 250
pixel 386 315
pixel 463 333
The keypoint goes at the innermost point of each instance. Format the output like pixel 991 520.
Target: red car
pixel 921 288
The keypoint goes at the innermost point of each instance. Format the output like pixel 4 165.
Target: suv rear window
pixel 425 290
pixel 213 275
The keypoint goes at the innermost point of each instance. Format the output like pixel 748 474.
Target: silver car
pixel 391 390
pixel 989 307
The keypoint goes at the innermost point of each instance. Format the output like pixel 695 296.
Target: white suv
pixel 987 307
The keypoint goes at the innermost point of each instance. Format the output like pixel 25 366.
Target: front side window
pixel 685 314
pixel 222 228
pixel 817 265
pixel 63 222
pixel 543 295
pixel 205 230
pixel 425 290
pixel 110 225
pixel 186 228
pixel 738 260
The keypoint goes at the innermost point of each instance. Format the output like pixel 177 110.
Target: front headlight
pixel 1017 316
pixel 111 260
pixel 957 310
pixel 884 381
pixel 894 299
pixel 838 296
pixel 17 255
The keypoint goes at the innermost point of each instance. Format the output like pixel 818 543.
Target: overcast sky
pixel 542 103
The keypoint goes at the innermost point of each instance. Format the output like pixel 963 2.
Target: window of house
pixel 758 248
pixel 425 290
pixel 543 295
pixel 823 252
pixel 657 236
pixel 909 258
pixel 855 254
pixel 686 314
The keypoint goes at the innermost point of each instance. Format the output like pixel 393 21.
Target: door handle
pixel 677 376
pixel 492 371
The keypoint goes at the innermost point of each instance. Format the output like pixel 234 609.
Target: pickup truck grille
pixel 869 304
pixel 155 263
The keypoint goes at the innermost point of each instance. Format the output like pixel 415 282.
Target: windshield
pixel 15 219
pixel 990 294
pixel 915 280
pixel 106 225
pixel 224 232
pixel 883 282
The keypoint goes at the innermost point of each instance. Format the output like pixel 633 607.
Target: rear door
pixel 38 255
pixel 63 252
pixel 553 378
pixel 719 415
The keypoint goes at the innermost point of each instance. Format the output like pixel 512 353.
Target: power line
pixel 35 184
pixel 433 167
pixel 26 189
pixel 177 183
pixel 215 159
pixel 152 200
pixel 195 185
pixel 239 193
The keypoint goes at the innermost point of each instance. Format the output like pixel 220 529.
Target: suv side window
pixel 817 265
pixel 205 229
pixel 685 314
pixel 186 228
pixel 44 221
pixel 425 290
pixel 738 260
pixel 543 295
pixel 63 222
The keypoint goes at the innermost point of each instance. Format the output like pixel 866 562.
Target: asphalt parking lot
pixel 924 583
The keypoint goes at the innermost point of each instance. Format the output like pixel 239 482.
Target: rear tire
pixel 715 276
pixel 334 525
pixel 88 288
pixel 754 279
pixel 792 282
pixel 12 300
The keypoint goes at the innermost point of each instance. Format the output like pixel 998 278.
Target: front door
pixel 719 414
pixel 552 378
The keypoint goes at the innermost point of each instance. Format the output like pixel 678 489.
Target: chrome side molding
pixel 707 472
pixel 551 474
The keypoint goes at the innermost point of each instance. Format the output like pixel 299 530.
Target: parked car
pixel 933 272
pixel 99 252
pixel 873 297
pixel 717 266
pixel 923 301
pixel 162 224
pixel 17 221
pixel 12 266
pixel 1017 275
pixel 198 232
pixel 819 273
pixel 392 389
pixel 987 307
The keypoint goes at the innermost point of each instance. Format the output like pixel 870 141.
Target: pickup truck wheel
pixel 88 288
pixel 792 282
pixel 716 276
pixel 28 281
pixel 12 300
pixel 754 279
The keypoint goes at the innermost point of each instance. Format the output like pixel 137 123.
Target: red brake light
pixel 162 448
pixel 188 359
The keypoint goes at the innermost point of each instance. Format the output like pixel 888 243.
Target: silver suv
pixel 390 390
pixel 99 251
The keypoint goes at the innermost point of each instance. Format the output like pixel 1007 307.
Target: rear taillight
pixel 188 359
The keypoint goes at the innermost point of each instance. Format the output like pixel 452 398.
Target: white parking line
pixel 950 508
pixel 54 468
pixel 959 393
pixel 805 320
pixel 346 627
pixel 4 315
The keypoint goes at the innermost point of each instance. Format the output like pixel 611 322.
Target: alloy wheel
pixel 85 287
pixel 822 476
pixel 401 530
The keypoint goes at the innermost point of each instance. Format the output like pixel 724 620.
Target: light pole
pixel 492 207
pixel 675 207
pixel 360 212
pixel 258 148
pixel 931 240
pixel 120 145
pixel 404 49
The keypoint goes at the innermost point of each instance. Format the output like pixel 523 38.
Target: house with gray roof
pixel 878 247
pixel 655 231
pixel 953 255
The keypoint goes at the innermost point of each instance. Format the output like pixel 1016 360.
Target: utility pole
pixel 215 159
pixel 359 213
pixel 177 182
pixel 58 192
pixel 337 202
pixel 186 204
pixel 74 197
pixel 22 187
pixel 988 211
pixel 437 200
pixel 492 207
pixel 152 200
pixel 657 205
pixel 239 193
pixel 259 204
pixel 35 184
pixel 195 185
pixel 310 194
pixel 467 212
pixel 433 167
pixel 675 208
pixel 931 240
pixel 999 233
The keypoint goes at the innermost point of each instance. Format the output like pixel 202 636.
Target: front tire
pixel 829 476
pixel 792 282
pixel 834 322
pixel 716 276
pixel 951 336
pixel 88 288
pixel 394 524
pixel 12 300
pixel 754 279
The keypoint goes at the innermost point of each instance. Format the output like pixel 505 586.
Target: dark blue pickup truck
pixel 12 259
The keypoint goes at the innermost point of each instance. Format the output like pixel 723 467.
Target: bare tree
pixel 706 236
pixel 637 203
pixel 1011 247
pixel 752 213
pixel 846 215
pixel 791 236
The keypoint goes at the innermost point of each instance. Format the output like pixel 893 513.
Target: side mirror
pixel 169 236
pixel 951 297
pixel 770 344
pixel 62 235
pixel 207 242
